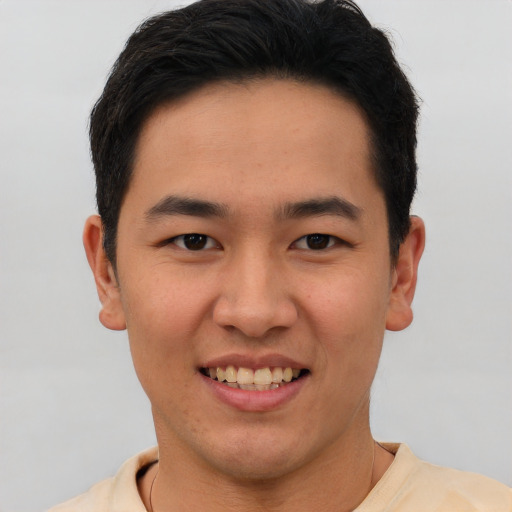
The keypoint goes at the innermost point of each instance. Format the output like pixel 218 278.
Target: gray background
pixel 70 407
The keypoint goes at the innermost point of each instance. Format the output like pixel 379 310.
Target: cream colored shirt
pixel 409 485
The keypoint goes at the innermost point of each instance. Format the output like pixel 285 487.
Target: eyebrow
pixel 332 205
pixel 176 205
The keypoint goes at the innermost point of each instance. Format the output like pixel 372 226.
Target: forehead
pixel 267 103
pixel 256 135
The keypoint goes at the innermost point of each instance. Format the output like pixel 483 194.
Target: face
pixel 252 247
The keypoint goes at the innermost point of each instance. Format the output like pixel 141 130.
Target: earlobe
pixel 405 274
pixel 111 314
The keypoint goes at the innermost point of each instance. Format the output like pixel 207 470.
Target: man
pixel 255 167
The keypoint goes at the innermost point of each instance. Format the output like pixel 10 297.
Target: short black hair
pixel 328 42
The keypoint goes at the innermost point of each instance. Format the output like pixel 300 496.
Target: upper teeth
pixel 261 376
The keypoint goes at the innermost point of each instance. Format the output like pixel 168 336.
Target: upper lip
pixel 253 361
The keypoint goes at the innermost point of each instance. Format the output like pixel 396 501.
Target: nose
pixel 255 297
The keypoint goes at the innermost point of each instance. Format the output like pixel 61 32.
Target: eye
pixel 315 242
pixel 194 242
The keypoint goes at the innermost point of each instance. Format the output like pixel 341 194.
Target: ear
pixel 111 314
pixel 405 274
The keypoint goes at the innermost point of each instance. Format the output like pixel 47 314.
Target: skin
pixel 256 290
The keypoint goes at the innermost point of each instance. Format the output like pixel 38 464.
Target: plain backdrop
pixel 71 409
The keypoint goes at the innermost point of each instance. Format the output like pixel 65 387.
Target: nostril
pixel 254 309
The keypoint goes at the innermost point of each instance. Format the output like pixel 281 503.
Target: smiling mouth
pixel 261 379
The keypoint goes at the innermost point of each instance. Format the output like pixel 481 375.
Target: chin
pixel 257 458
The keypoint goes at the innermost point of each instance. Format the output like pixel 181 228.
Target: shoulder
pixel 411 484
pixel 96 498
pixel 116 494
pixel 468 491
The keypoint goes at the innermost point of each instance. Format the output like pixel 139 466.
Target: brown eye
pixel 194 242
pixel 318 241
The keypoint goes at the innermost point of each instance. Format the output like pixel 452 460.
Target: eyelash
pixel 322 240
pixel 204 242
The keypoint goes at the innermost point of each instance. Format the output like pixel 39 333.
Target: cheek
pixel 349 316
pixel 163 317
pixel 164 304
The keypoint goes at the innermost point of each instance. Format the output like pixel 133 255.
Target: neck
pixel 337 481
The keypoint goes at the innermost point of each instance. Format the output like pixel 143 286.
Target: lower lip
pixel 255 401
